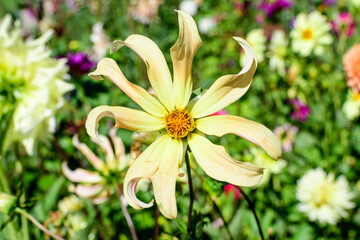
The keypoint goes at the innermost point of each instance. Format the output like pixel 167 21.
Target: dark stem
pixel 191 191
pixel 223 219
pixel 157 214
pixel 252 208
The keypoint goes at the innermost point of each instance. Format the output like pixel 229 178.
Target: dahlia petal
pixel 118 145
pixel 88 191
pixel 80 175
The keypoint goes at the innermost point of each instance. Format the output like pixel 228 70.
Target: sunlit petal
pixel 108 68
pixel 105 144
pixel 118 145
pixel 182 54
pixel 218 164
pixel 229 88
pixel 127 118
pixel 87 191
pixel 157 68
pixel 250 130
pixel 80 175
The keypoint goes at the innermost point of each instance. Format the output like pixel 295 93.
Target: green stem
pixel 191 192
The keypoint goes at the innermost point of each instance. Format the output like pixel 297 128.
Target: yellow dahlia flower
pixel 31 85
pixel 181 122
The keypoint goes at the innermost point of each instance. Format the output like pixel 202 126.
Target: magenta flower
pixel 270 7
pixel 329 2
pixel 228 188
pixel 343 22
pixel 79 63
pixel 301 111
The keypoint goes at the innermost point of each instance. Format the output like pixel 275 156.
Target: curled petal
pixel 80 175
pixel 108 68
pixel 182 54
pixel 157 68
pixel 93 159
pixel 88 191
pixel 118 145
pixel 105 144
pixel 250 130
pixel 127 118
pixel 159 162
pixel 218 164
pixel 229 88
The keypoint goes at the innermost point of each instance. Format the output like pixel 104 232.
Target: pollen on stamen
pixel 179 123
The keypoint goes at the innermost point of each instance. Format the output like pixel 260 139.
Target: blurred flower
pixel 100 41
pixel 29 21
pixel 94 183
pixel 271 6
pixel 7 203
pixel 343 22
pixel 286 134
pixel 310 33
pixel 354 3
pixel 351 106
pixel 77 221
pixel 352 67
pixel 301 111
pixel 220 112
pixel 322 198
pixel 79 63
pixel 277 51
pixel 145 137
pixel 31 86
pixel 189 6
pixel 257 40
pixel 329 2
pixel 181 122
pixel 206 24
pixel 229 188
pixel 145 11
pixel 70 204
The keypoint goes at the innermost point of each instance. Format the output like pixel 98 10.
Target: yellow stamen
pixel 307 34
pixel 179 123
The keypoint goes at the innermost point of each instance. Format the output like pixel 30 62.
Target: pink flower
pixel 301 111
pixel 343 22
pixel 221 112
pixel 231 188
pixel 352 67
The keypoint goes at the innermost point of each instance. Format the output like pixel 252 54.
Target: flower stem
pixel 191 192
pixel 157 214
pixel 252 208
pixel 39 225
pixel 123 204
pixel 217 209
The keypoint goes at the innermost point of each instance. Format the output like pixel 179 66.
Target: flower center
pixel 179 123
pixel 307 34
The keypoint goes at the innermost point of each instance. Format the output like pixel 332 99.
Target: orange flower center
pixel 179 123
pixel 307 34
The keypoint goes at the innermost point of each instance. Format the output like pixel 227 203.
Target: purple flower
pixel 79 63
pixel 270 7
pixel 300 110
pixel 343 22
pixel 329 2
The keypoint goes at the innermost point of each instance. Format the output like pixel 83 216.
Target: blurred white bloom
pixel 77 221
pixel 100 41
pixel 33 84
pixel 277 51
pixel 29 20
pixel 206 24
pixel 189 6
pixel 355 3
pixel 351 107
pixel 322 198
pixel 70 204
pixel 145 11
pixel 310 33
pixel 257 40
pixel 286 134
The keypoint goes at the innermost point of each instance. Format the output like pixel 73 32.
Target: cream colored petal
pixel 218 164
pixel 182 54
pixel 250 130
pixel 229 88
pixel 118 145
pixel 87 191
pixel 93 159
pixel 108 68
pixel 80 175
pixel 164 180
pixel 105 145
pixel 127 118
pixel 157 68
pixel 160 163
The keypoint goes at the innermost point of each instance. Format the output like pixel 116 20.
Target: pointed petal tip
pixel 116 45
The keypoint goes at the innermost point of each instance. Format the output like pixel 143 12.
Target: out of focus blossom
pixel 206 24
pixel 352 67
pixel 301 111
pixel 343 22
pixel 7 202
pixel 322 198
pixel 220 112
pixel 189 6
pixel 93 184
pixel 32 85
pixel 29 21
pixel 286 134
pixel 70 204
pixel 329 2
pixel 70 208
pixel 310 34
pixel 257 40
pixel 271 6
pixel 79 63
pixel 100 41
pixel 145 11
pixel 277 51
pixel 354 3
pixel 229 188
pixel 351 107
